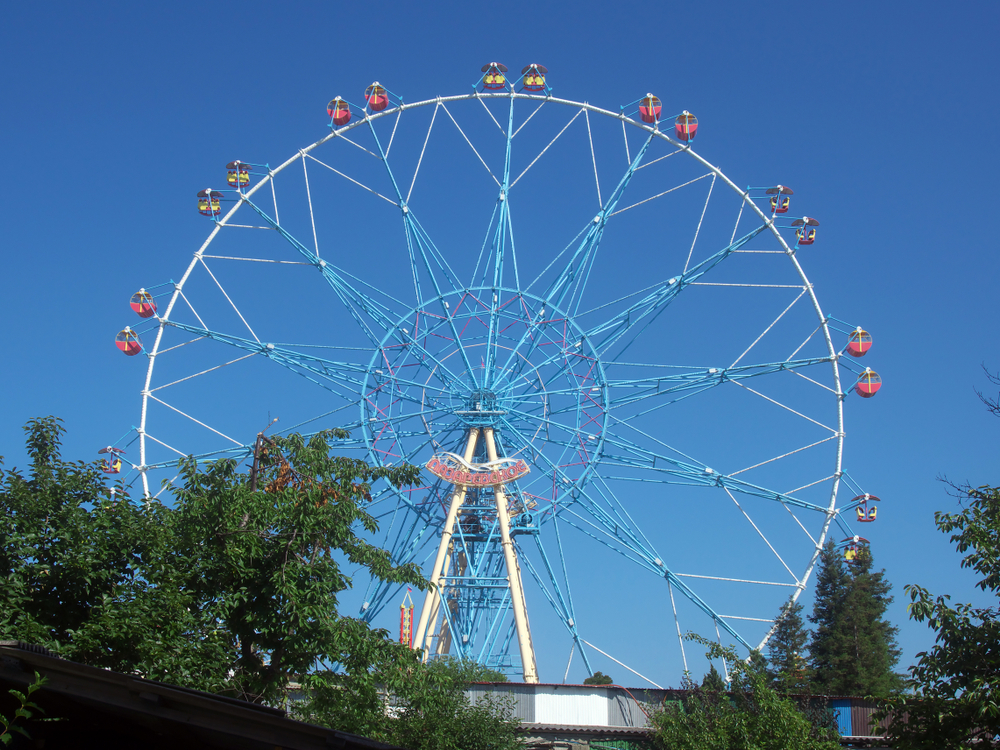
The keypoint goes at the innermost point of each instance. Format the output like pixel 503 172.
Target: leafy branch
pixel 23 713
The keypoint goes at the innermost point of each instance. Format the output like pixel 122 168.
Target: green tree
pixel 853 649
pixel 787 659
pixel 233 589
pixel 827 648
pixel 598 678
pixel 22 713
pixel 713 680
pixel 751 715
pixel 417 706
pixel 957 682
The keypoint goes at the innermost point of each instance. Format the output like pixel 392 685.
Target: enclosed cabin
pixel 780 198
pixel 339 111
pixel 805 230
pixel 376 97
pixel 142 304
pixel 209 202
pixel 128 342
pixel 533 77
pixel 853 547
pixel 493 76
pixel 868 384
pixel 113 463
pixel 238 174
pixel 866 509
pixel 686 126
pixel 650 108
pixel 859 342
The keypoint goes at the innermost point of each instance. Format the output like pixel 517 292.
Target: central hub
pixel 481 408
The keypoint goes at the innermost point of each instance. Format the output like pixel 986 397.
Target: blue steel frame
pixel 521 348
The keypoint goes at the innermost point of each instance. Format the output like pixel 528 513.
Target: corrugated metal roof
pixel 588 729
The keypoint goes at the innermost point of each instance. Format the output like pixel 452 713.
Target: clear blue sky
pixel 882 115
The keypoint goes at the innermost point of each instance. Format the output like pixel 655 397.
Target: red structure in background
pixel 406 621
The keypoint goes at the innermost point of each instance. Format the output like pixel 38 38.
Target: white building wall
pixel 570 704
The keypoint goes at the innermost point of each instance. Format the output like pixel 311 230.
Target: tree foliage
pixel 713 680
pixel 751 715
pixel 417 706
pixel 787 658
pixel 598 678
pixel 233 589
pixel 957 682
pixel 9 726
pixel 853 649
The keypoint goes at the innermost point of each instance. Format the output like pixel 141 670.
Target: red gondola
pixel 112 464
pixel 859 343
pixel 779 198
pixel 805 231
pixel 866 513
pixel 238 174
pixel 142 304
pixel 339 111
pixel 377 97
pixel 534 77
pixel 650 108
pixel 868 384
pixel 686 126
pixel 128 341
pixel 494 78
pixel 208 202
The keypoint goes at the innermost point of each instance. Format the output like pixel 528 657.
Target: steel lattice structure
pixel 582 285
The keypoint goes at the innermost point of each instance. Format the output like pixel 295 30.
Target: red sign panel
pixel 480 475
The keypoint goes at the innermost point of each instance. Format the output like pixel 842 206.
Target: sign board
pixel 454 469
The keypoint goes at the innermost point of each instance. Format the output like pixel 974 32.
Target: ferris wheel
pixel 608 356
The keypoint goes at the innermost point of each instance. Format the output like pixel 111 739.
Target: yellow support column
pixel 433 596
pixel 513 573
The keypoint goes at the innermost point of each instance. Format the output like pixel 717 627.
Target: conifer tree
pixel 853 649
pixel 826 646
pixel 713 680
pixel 786 662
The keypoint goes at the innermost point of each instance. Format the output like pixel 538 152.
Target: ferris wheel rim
pixel 654 131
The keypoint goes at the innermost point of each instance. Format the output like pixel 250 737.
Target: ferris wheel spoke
pixel 411 226
pixel 361 185
pixel 323 372
pixel 571 280
pixel 611 331
pixel 633 391
pixel 355 301
pixel 762 535
pixel 423 150
pixel 672 470
pixel 654 565
pixel 228 299
pixel 665 192
pixel 673 581
pixel 542 153
pixel 462 132
pixel 697 231
pixel 555 598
